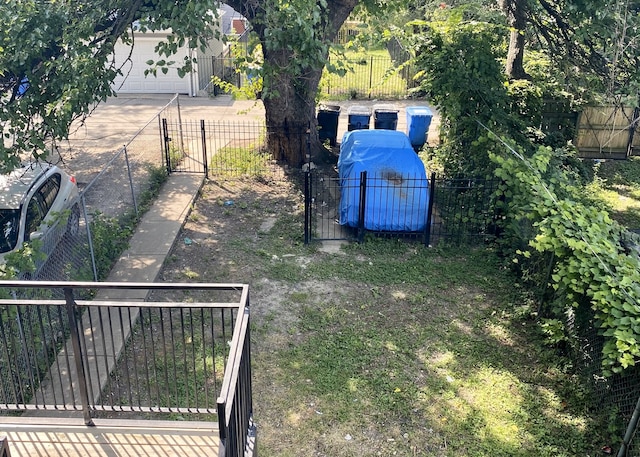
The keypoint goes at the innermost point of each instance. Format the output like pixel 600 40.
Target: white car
pixel 38 201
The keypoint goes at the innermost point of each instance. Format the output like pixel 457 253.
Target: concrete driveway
pixel 116 121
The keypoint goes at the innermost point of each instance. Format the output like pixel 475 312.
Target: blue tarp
pixel 397 189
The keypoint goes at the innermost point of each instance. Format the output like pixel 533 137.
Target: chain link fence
pixel 615 399
pixel 114 182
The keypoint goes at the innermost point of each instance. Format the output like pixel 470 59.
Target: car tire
pixel 73 223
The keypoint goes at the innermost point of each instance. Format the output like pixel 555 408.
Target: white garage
pixel 134 64
pixel 133 79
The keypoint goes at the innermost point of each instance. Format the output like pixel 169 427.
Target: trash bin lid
pixel 385 109
pixel 418 111
pixel 359 109
pixel 335 108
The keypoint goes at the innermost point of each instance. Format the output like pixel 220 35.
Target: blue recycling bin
pixel 328 123
pixel 418 122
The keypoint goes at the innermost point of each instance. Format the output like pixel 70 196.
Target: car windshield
pixel 9 225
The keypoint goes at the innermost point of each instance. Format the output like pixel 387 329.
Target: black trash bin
pixel 328 123
pixel 385 117
pixel 359 118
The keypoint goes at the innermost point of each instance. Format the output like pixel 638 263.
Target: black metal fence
pixel 369 77
pixel 163 356
pixel 376 76
pixel 464 210
pixel 434 211
pixel 222 149
pixel 235 410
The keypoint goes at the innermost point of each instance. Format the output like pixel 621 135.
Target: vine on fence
pixel 591 263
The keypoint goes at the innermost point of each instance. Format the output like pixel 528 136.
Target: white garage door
pixel 134 80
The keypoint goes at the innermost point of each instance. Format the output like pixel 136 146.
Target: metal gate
pixel 184 152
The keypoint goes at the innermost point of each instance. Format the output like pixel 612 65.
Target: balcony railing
pixel 184 353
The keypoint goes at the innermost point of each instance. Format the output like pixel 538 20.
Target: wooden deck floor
pixel 56 437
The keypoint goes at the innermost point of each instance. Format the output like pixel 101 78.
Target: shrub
pixel 546 214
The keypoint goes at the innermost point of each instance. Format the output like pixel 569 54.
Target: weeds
pixel 241 161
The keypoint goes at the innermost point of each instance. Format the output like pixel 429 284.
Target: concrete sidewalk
pixel 156 232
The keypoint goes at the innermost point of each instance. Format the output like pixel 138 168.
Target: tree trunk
pixel 291 115
pixel 516 11
pixel 290 108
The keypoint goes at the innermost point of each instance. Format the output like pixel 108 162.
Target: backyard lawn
pixel 386 347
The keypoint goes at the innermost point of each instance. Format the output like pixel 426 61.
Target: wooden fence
pixel 607 132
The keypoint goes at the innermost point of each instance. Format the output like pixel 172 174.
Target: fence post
pixel 432 197
pixel 167 139
pixel 89 238
pixel 70 305
pixel 631 430
pixel 203 136
pixel 177 97
pixel 362 203
pixel 222 425
pixel 632 130
pixel 307 189
pixel 329 79
pixel 370 75
pixel 133 193
pixel 161 136
pixel 307 205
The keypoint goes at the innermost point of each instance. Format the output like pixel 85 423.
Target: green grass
pixel 365 75
pixel 241 161
pixel 430 350
pixel 618 187
pixel 389 347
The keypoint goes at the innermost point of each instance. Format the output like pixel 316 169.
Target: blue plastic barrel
pixel 418 122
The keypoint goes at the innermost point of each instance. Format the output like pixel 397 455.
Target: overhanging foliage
pixel 546 212
pixel 62 54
